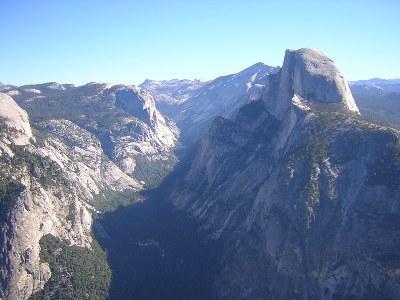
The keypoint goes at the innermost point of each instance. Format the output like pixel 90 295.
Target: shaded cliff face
pixel 302 190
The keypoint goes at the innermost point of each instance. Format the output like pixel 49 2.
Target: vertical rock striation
pixel 303 191
pixel 49 184
pixel 312 77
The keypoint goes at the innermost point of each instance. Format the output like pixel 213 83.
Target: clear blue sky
pixel 128 41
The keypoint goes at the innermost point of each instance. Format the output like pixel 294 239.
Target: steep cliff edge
pixel 51 181
pixel 304 192
pixel 16 119
pixel 312 77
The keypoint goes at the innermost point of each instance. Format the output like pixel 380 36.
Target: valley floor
pixel 156 252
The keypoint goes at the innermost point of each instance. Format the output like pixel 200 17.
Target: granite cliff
pixel 132 132
pixel 302 190
pixel 76 155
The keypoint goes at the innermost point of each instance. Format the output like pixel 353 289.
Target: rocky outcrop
pixel 16 120
pixel 50 183
pixel 311 76
pixel 123 118
pixel 302 191
pixel 81 159
pixel 137 102
pixel 143 132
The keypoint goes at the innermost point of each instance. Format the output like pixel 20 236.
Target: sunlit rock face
pixel 311 76
pixel 35 201
pixel 79 158
pixel 16 119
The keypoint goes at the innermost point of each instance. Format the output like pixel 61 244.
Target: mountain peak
pixel 309 75
pixel 258 67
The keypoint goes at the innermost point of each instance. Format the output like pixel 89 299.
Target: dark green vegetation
pixel 40 167
pixel 72 104
pixel 313 150
pixel 153 172
pixel 77 273
pixel 383 109
pixel 9 190
pixel 385 170
pixel 109 200
pixel 157 253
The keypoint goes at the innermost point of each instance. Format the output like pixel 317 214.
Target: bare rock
pixel 313 77
pixel 16 119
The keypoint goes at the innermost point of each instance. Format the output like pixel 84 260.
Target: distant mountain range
pixel 194 104
pixel 173 92
pixel 376 86
pixel 201 102
pixel 378 99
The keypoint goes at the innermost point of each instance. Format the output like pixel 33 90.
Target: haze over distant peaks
pixel 174 91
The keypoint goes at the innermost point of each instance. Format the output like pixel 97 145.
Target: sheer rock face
pixel 140 104
pixel 313 77
pixel 54 177
pixel 144 132
pixel 48 187
pixel 305 199
pixel 136 102
pixel 16 119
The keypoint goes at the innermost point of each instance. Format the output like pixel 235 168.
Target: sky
pixel 81 41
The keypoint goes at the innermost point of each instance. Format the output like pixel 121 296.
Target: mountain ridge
pixel 298 186
pixel 290 191
pixel 221 97
pixel 56 176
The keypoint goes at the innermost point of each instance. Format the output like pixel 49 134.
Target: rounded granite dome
pixel 310 75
